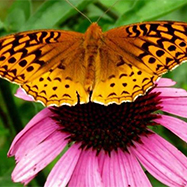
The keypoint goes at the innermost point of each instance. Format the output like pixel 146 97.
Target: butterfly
pixel 58 67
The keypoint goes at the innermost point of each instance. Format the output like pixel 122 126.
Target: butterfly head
pixel 94 32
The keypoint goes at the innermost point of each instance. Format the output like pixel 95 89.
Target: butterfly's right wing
pixel 133 57
pixel 48 65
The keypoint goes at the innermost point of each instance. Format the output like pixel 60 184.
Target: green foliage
pixel 149 10
pixel 16 15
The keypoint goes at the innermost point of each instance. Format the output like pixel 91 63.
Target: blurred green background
pixel 20 15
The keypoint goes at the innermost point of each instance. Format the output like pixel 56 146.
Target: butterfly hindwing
pixel 121 80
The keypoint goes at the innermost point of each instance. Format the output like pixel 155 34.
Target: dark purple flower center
pixel 108 127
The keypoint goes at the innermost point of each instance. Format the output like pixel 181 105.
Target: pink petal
pixel 93 176
pixel 36 119
pixel 20 93
pixel 162 160
pixel 122 169
pixel 165 82
pixel 62 171
pixel 39 157
pixel 86 173
pixel 175 125
pixel 30 138
pixel 26 181
pixel 78 177
pixel 170 92
pixel 177 106
pixel 174 101
pixel 101 160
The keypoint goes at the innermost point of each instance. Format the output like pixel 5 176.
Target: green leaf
pixel 149 10
pixel 52 12
pixel 179 75
pixel 18 14
pixel 1 25
pixel 120 6
pixel 5 180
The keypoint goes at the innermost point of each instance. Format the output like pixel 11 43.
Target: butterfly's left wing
pixel 47 64
pixel 133 57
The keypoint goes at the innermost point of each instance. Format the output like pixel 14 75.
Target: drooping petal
pixel 20 93
pixel 62 171
pixel 177 106
pixel 175 125
pixel 35 120
pixel 39 157
pixel 37 133
pixel 165 82
pixel 122 169
pixel 86 173
pixel 162 160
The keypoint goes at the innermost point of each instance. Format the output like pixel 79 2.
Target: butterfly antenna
pixel 78 10
pixel 107 10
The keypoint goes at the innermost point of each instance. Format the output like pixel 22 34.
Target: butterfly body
pixel 59 67
pixel 92 44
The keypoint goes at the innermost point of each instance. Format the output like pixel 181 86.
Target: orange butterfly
pixel 59 67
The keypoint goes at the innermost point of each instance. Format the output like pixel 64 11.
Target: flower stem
pixel 10 105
